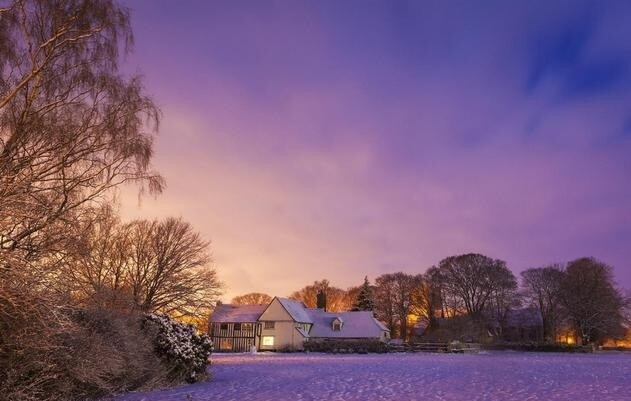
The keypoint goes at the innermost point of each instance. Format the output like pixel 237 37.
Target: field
pixel 488 376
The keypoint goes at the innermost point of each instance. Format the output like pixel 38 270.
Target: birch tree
pixel 72 128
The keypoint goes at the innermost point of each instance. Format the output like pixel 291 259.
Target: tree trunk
pixel 404 328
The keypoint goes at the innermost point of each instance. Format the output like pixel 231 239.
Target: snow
pixel 359 324
pixel 296 310
pixel 491 376
pixel 228 313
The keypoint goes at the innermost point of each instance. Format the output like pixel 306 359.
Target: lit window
pixel 268 341
pixel 269 325
pixel 225 343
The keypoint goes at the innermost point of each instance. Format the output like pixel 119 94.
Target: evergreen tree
pixel 365 300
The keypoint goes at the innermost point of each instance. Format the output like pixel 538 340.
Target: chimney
pixel 321 300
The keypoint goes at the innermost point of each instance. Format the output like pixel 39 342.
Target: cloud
pixel 320 140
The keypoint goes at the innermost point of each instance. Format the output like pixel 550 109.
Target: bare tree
pixel 473 279
pixel 252 298
pixel 336 299
pixel 504 298
pixel 427 298
pixel 385 302
pixel 395 296
pixel 96 274
pixel 542 289
pixel 71 129
pixel 170 268
pixel 593 303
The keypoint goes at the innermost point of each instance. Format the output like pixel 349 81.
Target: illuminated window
pixel 268 341
pixel 269 325
pixel 225 343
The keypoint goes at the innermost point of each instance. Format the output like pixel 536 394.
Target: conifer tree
pixel 365 300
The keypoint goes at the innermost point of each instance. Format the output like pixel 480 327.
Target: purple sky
pixel 334 139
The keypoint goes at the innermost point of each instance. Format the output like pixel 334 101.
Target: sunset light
pixel 281 200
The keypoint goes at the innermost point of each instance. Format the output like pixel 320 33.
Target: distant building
pixel 287 324
pixel 523 325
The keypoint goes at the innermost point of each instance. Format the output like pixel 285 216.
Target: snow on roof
pixel 381 325
pixel 229 313
pixel 360 324
pixel 296 309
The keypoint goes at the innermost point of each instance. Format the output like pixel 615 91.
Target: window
pixel 269 325
pixel 224 326
pixel 303 326
pixel 268 341
pixel 237 326
pixel 337 326
pixel 246 326
pixel 225 343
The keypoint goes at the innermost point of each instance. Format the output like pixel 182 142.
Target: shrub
pixel 108 352
pixel 287 349
pixel 346 346
pixel 96 353
pixel 538 347
pixel 459 328
pixel 183 350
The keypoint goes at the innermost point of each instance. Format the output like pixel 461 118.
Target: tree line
pixel 581 295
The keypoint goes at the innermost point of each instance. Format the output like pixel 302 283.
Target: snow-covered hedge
pixel 183 350
pixel 346 346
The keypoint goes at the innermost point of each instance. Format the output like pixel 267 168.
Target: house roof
pixel 381 325
pixel 523 317
pixel 229 313
pixel 296 309
pixel 360 324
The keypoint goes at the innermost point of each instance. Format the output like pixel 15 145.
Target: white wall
pixel 284 331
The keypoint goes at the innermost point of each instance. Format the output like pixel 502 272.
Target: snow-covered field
pixel 493 376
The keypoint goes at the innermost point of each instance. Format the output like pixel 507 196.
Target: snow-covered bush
pixel 183 350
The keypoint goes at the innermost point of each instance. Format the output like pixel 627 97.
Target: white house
pixel 287 324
